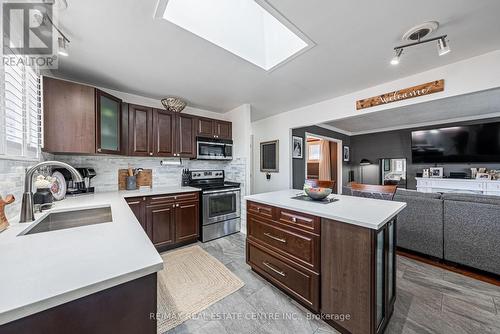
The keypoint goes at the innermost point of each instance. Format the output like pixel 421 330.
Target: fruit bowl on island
pixel 317 193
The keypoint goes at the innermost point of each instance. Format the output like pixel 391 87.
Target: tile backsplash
pixel 107 167
pixel 13 171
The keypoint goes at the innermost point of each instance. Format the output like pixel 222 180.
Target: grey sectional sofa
pixel 472 230
pixel 420 225
pixel 461 228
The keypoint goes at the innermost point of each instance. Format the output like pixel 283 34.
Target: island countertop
pixel 43 270
pixel 365 212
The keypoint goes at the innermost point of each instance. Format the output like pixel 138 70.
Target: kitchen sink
pixel 68 219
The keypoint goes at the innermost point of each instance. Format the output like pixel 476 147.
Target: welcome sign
pixel 403 94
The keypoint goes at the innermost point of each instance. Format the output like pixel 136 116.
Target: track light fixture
pixel 62 46
pixel 442 44
pixel 397 57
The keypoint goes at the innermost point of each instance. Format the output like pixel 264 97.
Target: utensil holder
pixel 131 183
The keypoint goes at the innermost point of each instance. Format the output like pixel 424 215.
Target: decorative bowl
pixel 174 104
pixel 317 193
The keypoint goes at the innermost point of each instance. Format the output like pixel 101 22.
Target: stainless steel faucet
pixel 27 212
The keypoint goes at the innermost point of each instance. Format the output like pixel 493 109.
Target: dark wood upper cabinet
pixel 187 221
pixel 85 120
pixel 140 129
pixel 108 123
pixel 163 133
pixel 212 128
pixel 205 127
pixel 186 136
pixel 223 130
pixel 69 117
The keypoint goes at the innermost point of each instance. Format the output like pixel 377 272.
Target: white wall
pixel 471 75
pixel 242 137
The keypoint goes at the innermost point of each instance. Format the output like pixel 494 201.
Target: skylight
pixel 245 28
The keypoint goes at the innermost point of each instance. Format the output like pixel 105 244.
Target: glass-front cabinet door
pixel 108 128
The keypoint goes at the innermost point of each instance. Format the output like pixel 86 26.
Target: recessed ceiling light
pixel 250 29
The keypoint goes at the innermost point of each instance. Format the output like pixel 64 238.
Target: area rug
pixel 191 281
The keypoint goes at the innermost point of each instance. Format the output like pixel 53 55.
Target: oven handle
pixel 230 190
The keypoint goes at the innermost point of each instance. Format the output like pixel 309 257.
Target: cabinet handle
pixel 132 203
pixel 163 197
pixel 269 235
pixel 294 219
pixel 258 209
pixel 99 150
pixel 279 272
pixel 175 197
pixel 150 153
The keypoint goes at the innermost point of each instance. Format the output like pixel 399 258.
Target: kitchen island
pixel 99 278
pixel 338 259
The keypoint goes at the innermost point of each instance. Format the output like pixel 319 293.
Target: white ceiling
pixel 464 107
pixel 117 44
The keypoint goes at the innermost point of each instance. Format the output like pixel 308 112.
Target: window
pixel 314 153
pixel 20 112
pixel 250 29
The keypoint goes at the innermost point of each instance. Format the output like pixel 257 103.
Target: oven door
pixel 220 205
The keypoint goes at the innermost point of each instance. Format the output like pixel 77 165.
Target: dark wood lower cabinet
pixel 126 308
pixel 160 222
pixel 169 220
pixel 344 272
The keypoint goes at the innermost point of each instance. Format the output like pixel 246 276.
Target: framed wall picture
pixel 346 154
pixel 297 147
pixel 269 156
pixel 436 172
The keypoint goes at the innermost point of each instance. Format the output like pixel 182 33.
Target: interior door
pixel 161 220
pixel 187 223
pixel 163 133
pixel 140 130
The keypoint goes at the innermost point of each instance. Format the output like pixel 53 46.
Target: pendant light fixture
pixel 62 46
pixel 397 57
pixel 443 47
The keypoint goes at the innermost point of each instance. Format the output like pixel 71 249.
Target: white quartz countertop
pixel 43 270
pixel 365 212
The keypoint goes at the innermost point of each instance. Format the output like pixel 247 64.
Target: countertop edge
pixel 45 304
pixel 332 217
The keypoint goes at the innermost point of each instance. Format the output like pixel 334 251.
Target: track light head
pixel 63 47
pixel 443 47
pixel 395 60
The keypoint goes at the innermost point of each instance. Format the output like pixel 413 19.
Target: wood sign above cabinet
pixel 80 119
pixel 403 94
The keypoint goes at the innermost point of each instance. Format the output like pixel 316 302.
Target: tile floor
pixel 430 300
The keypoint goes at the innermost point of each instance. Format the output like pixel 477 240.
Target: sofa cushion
pixel 473 198
pixel 420 225
pixel 472 234
pixel 414 193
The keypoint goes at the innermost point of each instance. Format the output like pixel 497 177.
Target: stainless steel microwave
pixel 214 149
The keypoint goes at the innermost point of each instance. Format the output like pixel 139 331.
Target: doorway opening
pixel 323 159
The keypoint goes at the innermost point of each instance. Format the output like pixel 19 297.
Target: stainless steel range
pixel 220 203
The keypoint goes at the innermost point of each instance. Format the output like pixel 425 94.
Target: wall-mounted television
pixel 458 144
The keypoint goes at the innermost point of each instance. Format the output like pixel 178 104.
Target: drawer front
pixel 300 247
pixel 263 210
pixel 157 199
pixel 301 284
pixel 300 220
